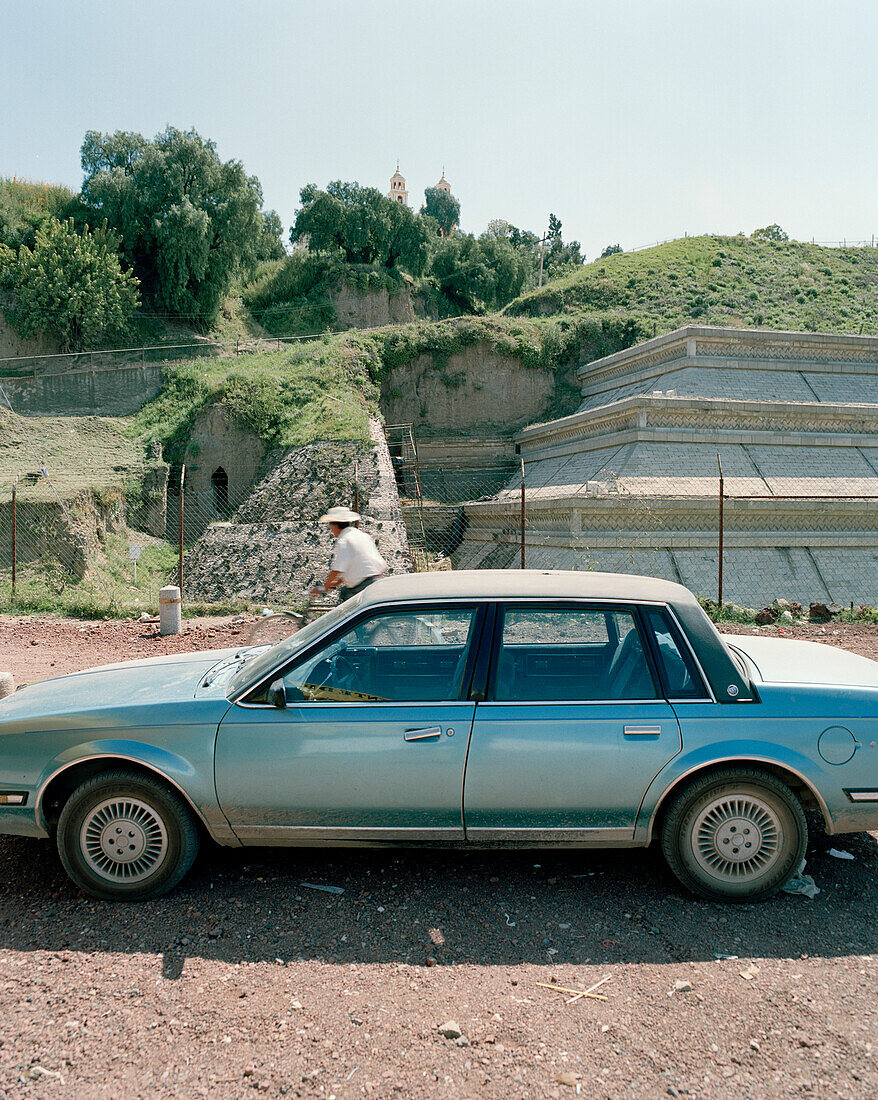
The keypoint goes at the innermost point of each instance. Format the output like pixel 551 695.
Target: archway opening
pixel 220 481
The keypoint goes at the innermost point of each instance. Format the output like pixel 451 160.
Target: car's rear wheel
pixel 735 835
pixel 126 837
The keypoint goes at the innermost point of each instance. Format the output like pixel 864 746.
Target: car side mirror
pixel 277 695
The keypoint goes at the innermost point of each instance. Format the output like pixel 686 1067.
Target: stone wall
pixel 477 389
pixel 630 482
pixel 274 549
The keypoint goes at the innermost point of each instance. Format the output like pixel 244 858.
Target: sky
pixel 634 121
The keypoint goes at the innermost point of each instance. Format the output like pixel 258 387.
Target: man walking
pixel 356 562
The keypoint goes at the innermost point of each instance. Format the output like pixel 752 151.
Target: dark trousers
pixel 346 592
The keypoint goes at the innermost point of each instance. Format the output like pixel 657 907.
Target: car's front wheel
pixel 735 835
pixel 126 837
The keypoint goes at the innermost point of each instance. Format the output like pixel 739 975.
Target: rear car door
pixel 573 730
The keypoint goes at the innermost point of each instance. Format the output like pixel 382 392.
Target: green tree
pixel 560 258
pixel 523 238
pixel 459 268
pixel 611 250
pixel 444 207
pixel 72 285
pixel 770 233
pixel 497 229
pixel 509 268
pixel 187 220
pixel 364 224
pixel 271 246
pixel 478 274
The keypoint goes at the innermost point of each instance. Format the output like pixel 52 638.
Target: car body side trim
pixel 861 794
pixel 284 834
pixel 573 702
pixel 38 808
pixel 305 703
pixel 725 760
pixel 600 837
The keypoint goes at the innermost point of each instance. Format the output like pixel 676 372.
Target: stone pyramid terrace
pixel 630 481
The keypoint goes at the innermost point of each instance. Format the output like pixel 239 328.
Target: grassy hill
pixel 721 281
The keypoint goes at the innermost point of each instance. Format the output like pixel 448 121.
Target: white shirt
pixel 356 557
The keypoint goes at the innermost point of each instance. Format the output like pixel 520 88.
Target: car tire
pixel 124 836
pixel 735 835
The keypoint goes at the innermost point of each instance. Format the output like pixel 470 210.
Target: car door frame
pixel 370 834
pixel 482 630
pixel 483 687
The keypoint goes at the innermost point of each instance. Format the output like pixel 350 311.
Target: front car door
pixel 372 742
pixel 573 730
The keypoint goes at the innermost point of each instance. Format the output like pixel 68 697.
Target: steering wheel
pixel 340 666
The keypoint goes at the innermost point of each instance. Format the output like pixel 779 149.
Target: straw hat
pixel 340 515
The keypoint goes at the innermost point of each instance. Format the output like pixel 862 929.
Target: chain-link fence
pixel 745 539
pixel 91 519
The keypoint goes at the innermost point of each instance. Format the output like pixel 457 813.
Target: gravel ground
pixel 243 978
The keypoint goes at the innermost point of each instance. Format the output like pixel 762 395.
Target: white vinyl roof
pixel 524 583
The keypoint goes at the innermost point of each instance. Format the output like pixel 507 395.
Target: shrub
pixel 71 285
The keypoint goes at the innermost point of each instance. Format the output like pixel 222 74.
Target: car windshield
pixel 253 671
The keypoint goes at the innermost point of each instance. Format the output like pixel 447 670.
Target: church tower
pixel 443 184
pixel 397 192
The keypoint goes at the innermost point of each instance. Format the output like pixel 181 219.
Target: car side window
pixel 395 656
pixel 678 670
pixel 571 654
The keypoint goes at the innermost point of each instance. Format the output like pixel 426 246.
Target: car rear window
pixel 571 655
pixel 681 679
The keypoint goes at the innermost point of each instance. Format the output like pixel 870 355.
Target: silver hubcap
pixel 736 838
pixel 123 840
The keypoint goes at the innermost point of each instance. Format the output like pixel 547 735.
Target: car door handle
pixel 643 731
pixel 427 734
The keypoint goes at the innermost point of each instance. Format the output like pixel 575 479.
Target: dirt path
pixel 35 649
pixel 244 979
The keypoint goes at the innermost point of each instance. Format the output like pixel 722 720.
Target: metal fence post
pixel 180 559
pixel 522 514
pixel 14 532
pixel 720 593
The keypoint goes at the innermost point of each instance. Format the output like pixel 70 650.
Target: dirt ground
pixel 244 978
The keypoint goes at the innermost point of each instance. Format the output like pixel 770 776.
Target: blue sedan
pixel 470 709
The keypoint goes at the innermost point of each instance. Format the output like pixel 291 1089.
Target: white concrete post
pixel 170 610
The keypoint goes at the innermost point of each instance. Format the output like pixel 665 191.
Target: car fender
pixel 195 784
pixel 726 754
